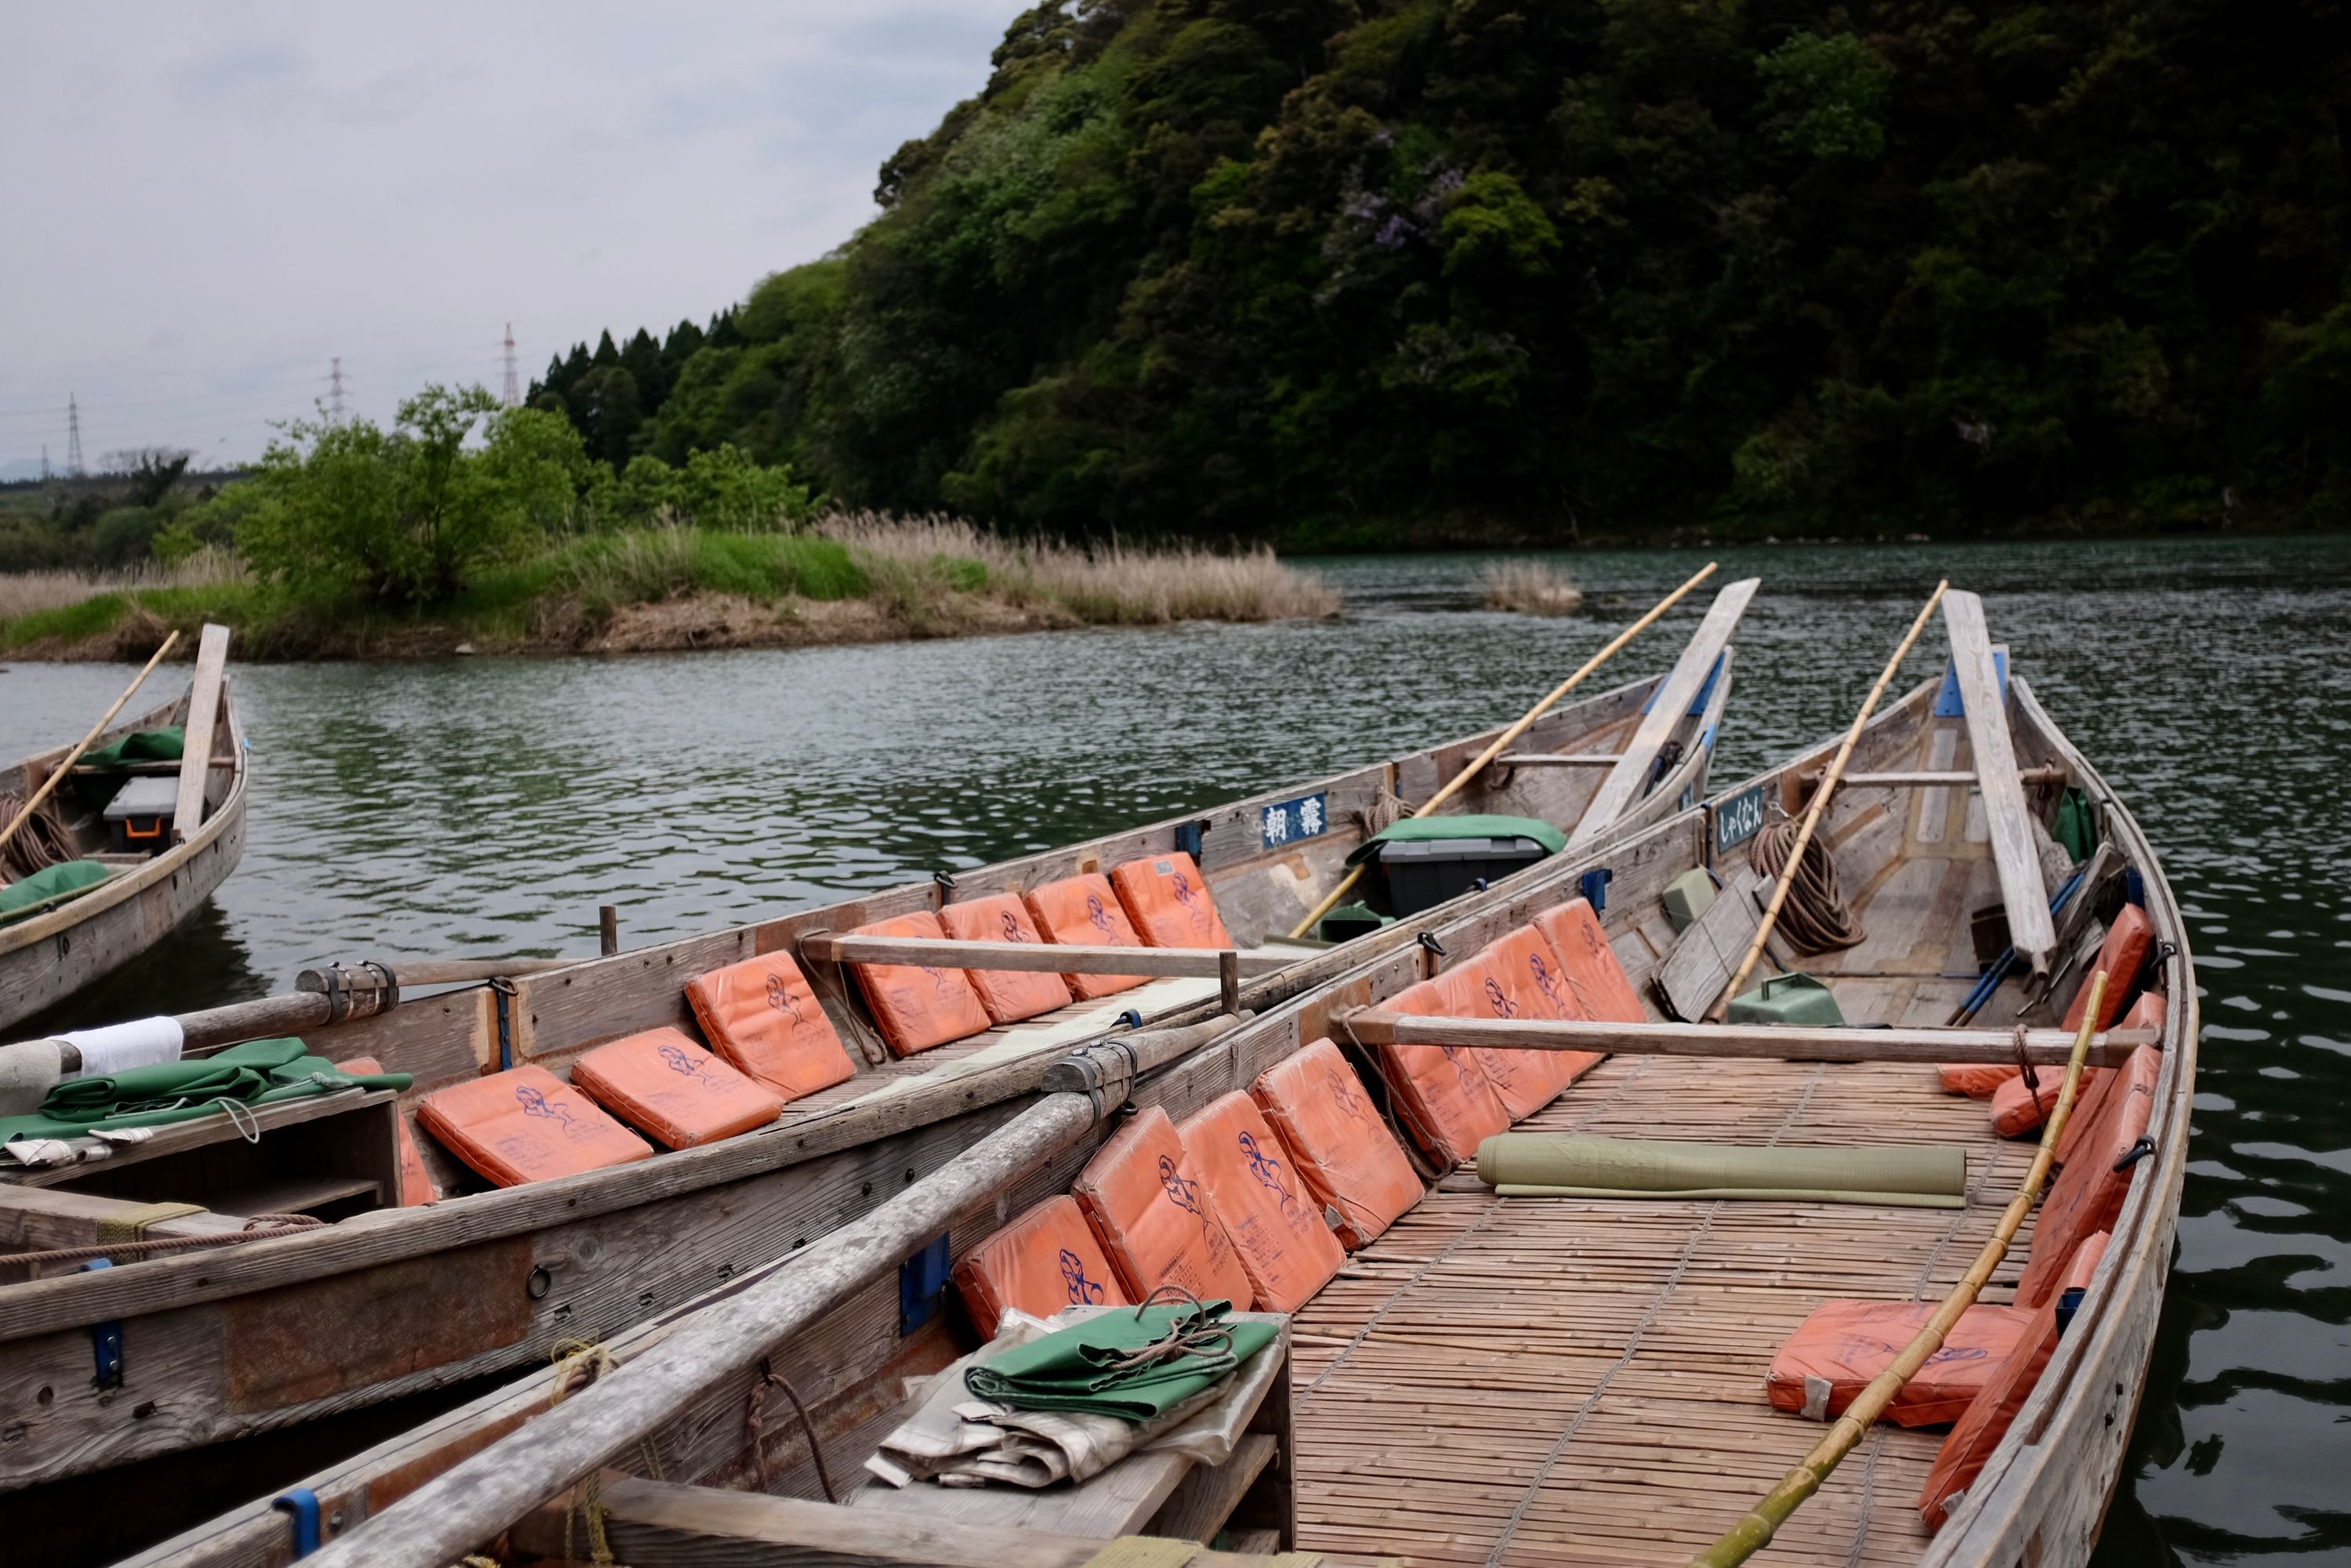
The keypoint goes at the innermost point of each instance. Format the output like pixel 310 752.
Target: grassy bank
pixel 846 578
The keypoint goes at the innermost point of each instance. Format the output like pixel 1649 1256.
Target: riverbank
pixel 848 578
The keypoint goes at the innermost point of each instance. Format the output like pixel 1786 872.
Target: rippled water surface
pixel 487 806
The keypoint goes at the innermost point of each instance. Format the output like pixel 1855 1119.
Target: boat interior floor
pixel 1560 1380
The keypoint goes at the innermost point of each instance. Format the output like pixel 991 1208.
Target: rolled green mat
pixel 1568 1165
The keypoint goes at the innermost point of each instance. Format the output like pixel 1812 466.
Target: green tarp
pixel 1072 1369
pixel 140 746
pixel 46 889
pixel 1566 1164
pixel 1422 830
pixel 259 1073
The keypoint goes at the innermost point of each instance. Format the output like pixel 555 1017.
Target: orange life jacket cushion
pixel 1045 1260
pixel 1084 911
pixel 1846 1343
pixel 667 1087
pixel 1341 1148
pixel 415 1182
pixel 1276 1226
pixel 1439 1092
pixel 1008 995
pixel 2017 1110
pixel 1991 1414
pixel 2122 954
pixel 763 1017
pixel 1517 977
pixel 2087 1195
pixel 1977 1080
pixel 1168 903
pixel 526 1124
pixel 1155 1219
pixel 1595 978
pixel 917 1006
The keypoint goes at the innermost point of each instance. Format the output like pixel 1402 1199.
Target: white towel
pixel 142 1042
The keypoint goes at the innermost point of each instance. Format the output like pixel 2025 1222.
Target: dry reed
pixel 31 592
pixel 1106 583
pixel 1530 588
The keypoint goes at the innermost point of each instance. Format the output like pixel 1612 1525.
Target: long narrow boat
pixel 154 878
pixel 1491 1378
pixel 390 1300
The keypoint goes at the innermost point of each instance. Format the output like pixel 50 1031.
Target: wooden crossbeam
pixel 2052 773
pixel 2013 848
pixel 1560 759
pixel 1629 780
pixel 2043 1047
pixel 1047 958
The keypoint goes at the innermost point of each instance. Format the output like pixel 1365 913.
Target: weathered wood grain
pixel 1377 1026
pixel 203 718
pixel 2001 795
pixel 1629 780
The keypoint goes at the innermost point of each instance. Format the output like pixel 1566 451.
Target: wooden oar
pixel 1820 803
pixel 1754 1532
pixel 66 765
pixel 1502 742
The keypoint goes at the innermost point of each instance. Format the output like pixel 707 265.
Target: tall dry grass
pixel 1104 583
pixel 29 592
pixel 1530 588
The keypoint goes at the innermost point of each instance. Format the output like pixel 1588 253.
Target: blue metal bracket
pixel 1594 886
pixel 106 1338
pixel 303 1504
pixel 1947 701
pixel 502 992
pixel 921 1283
pixel 1189 836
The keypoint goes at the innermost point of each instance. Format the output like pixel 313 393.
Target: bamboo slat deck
pixel 1522 1380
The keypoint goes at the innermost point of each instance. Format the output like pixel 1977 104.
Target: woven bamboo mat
pixel 1565 1381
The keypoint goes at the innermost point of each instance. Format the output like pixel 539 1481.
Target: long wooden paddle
pixel 1753 1533
pixel 1501 743
pixel 66 765
pixel 1820 804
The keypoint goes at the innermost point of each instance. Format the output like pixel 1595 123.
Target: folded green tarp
pixel 49 888
pixel 1422 830
pixel 163 744
pixel 1072 1369
pixel 1564 1165
pixel 259 1073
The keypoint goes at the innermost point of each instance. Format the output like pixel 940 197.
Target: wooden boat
pixel 1494 1379
pixel 388 1301
pixel 72 944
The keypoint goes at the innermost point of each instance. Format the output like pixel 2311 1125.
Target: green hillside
pixel 1404 269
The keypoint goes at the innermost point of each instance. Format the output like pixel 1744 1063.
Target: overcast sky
pixel 203 204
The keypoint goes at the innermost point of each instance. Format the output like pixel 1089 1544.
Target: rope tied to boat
pixel 260 1228
pixel 591 1361
pixel 1186 1335
pixel 1815 918
pixel 42 843
pixel 756 1421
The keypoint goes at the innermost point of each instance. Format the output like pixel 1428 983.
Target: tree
pixel 402 516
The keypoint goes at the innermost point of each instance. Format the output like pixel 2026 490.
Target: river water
pixel 487 806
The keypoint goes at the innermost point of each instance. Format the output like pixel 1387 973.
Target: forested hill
pixel 1369 270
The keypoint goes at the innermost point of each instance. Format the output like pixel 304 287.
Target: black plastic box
pixel 1423 874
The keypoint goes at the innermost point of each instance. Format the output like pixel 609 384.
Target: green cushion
pixel 1567 1165
pixel 1423 829
pixel 46 889
pixel 163 744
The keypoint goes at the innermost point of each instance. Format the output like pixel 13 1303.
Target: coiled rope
pixel 1815 918
pixel 40 844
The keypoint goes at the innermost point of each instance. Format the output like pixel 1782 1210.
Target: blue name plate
pixel 1284 821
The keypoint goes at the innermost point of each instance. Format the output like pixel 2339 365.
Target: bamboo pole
pixel 1754 1532
pixel 66 767
pixel 1819 805
pixel 1502 743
